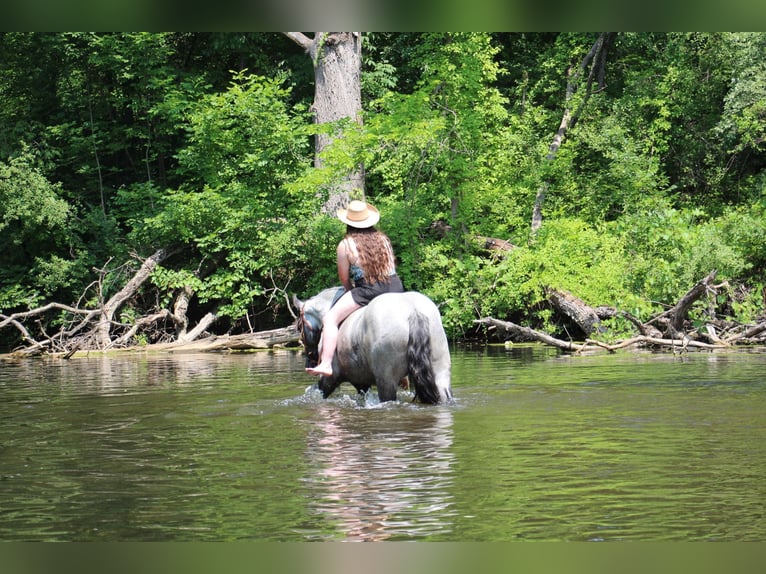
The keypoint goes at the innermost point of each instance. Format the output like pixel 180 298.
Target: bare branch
pixel 301 39
pixel 142 322
pixel 40 311
pixel 591 345
pixel 110 307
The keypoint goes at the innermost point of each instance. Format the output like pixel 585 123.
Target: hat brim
pixel 372 218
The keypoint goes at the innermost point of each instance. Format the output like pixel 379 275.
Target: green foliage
pixel 453 284
pixel 573 256
pixel 603 173
pixel 244 137
pixel 670 250
pixel 28 201
pixel 747 305
pixel 673 95
pixel 244 145
pixel 567 255
pixel 36 234
pixel 147 140
pixel 136 202
pixel 742 122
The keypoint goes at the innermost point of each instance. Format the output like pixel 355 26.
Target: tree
pixel 38 257
pixel 573 108
pixel 337 59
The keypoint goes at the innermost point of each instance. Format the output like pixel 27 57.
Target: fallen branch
pixel 712 335
pixel 590 344
pixel 142 322
pixel 200 328
pixel 749 333
pixel 39 311
pixel 83 328
pixel 528 333
pixel 683 343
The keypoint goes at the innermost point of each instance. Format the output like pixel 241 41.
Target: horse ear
pixel 297 302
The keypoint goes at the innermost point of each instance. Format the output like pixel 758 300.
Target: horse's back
pixel 383 327
pixel 400 303
pixel 391 310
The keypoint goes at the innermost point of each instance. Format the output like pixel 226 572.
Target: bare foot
pixel 320 370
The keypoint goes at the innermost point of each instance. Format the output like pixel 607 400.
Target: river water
pixel 538 446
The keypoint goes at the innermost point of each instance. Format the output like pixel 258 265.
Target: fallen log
pixel 242 342
pixel 576 310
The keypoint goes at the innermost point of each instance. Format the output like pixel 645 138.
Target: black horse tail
pixel 419 367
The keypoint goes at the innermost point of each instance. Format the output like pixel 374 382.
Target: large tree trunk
pixel 337 58
pixel 596 58
pixel 576 310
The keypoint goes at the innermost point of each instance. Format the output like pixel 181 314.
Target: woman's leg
pixel 334 317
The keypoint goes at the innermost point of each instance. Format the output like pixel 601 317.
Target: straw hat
pixel 359 214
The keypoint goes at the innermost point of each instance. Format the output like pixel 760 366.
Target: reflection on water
pixel 121 374
pixel 539 446
pixel 382 474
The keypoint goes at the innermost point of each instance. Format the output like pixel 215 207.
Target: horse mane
pixel 310 321
pixel 320 303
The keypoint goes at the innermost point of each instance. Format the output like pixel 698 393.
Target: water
pixel 539 446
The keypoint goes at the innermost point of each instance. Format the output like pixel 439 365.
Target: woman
pixel 366 268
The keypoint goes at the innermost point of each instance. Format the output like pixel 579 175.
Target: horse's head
pixel 309 322
pixel 310 328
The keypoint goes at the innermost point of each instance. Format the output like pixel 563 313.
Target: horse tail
pixel 419 366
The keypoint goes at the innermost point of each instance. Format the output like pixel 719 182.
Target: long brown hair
pixel 376 255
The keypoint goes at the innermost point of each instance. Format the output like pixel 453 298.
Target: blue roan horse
pixel 397 335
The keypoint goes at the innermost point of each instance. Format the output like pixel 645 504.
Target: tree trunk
pixel 179 311
pixel 596 58
pixel 337 58
pixel 200 328
pixel 679 312
pixel 575 309
pixel 109 308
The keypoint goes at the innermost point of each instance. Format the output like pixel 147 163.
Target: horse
pixel 396 335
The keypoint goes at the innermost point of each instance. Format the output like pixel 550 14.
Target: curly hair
pixel 376 255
